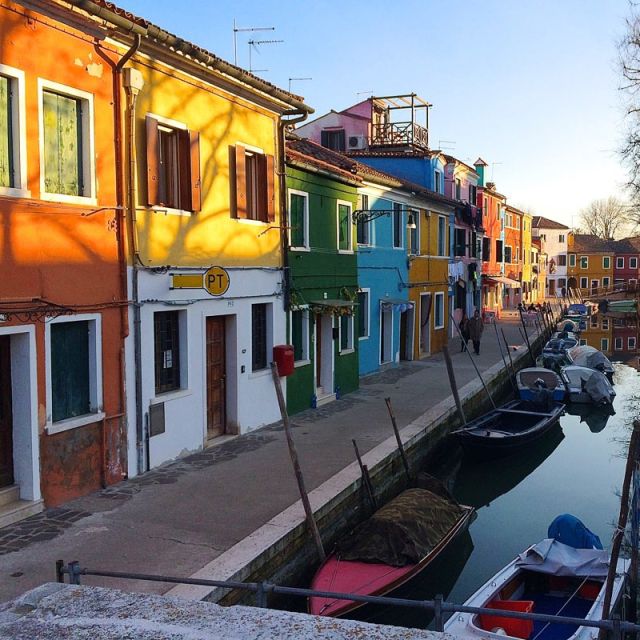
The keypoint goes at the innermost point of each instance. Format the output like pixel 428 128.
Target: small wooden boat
pixel 586 385
pixel 510 426
pixel 399 541
pixel 532 380
pixel 551 577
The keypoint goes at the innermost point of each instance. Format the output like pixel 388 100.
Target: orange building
pixel 513 256
pixel 63 292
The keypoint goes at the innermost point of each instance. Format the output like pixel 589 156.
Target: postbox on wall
pixel 284 359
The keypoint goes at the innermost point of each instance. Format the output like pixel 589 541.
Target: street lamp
pixel 367 215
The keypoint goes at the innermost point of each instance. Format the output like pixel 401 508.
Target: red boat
pixel 396 543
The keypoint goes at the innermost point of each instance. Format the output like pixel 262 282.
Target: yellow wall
pixel 594 270
pixel 527 274
pixel 210 236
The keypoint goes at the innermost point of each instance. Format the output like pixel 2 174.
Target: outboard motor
pixel 571 531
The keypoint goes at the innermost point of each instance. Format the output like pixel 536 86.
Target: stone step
pixel 9 494
pixel 330 397
pixel 19 510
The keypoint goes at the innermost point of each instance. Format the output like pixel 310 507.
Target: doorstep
pixel 12 509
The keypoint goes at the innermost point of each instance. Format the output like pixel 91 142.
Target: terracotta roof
pixel 312 153
pixel 409 153
pixel 540 222
pixel 588 243
pixel 480 163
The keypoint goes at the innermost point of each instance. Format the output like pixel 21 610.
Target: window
pixel 584 262
pixel 363 229
pixel 414 234
pixel 333 139
pixel 561 238
pixel 517 254
pixel 437 180
pixel 442 236
pixel 517 222
pixel 507 254
pixel 633 263
pixel 12 141
pixel 595 284
pixel 604 344
pixel 486 249
pixel 166 335
pixel 562 260
pixel 543 236
pixel 606 262
pixel 582 342
pixel 605 324
pixel 298 219
pixel 363 313
pixel 617 344
pixel 584 283
pixel 631 342
pixel 252 193
pixel 397 225
pixel 68 168
pixel 300 334
pixel 485 206
pixel 499 251
pixel 460 242
pixel 344 226
pixel 572 259
pixel 346 333
pixel 458 189
pixel 619 263
pixel 473 190
pixel 438 315
pixel 606 281
pixel 258 337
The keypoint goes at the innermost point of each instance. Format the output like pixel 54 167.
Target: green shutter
pixel 296 334
pixel 344 333
pixel 62 144
pixel 297 220
pixel 6 141
pixel 70 369
pixel 343 227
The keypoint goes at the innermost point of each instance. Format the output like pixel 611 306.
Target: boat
pixel 568 325
pixel 506 428
pixel 531 380
pixel 585 385
pixel 564 335
pixel 561 343
pixel 579 309
pixel 564 574
pixel 585 356
pixel 554 360
pixel 395 544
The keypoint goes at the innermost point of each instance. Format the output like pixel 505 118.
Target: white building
pixel 555 237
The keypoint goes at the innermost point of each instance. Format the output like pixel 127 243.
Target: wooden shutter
pixel 6 152
pixel 196 181
pixel 184 170
pixel 271 205
pixel 153 162
pixel 240 182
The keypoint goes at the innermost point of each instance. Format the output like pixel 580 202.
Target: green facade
pixel 322 283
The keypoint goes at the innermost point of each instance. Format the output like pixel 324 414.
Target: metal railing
pixel 399 133
pixel 262 590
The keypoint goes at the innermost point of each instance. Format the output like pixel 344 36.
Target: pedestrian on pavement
pixel 476 327
pixel 464 330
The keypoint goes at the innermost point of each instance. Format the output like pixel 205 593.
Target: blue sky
pixel 531 86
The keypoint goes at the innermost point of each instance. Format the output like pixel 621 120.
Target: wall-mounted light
pixel 411 221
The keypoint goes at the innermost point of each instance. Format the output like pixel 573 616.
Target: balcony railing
pixel 399 134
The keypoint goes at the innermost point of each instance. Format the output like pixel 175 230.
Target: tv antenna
pixel 368 92
pixel 296 80
pixel 253 44
pixel 235 37
pixel 493 165
pixel 448 144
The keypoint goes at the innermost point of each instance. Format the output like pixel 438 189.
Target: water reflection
pixel 596 418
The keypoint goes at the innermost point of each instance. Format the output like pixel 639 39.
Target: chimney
pixel 491 185
pixel 480 164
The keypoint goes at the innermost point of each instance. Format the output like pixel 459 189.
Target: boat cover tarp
pixel 570 326
pixel 586 356
pixel 598 388
pixel 557 559
pixel 572 531
pixel 538 377
pixel 402 532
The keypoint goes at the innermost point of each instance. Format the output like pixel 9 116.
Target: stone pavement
pixel 179 517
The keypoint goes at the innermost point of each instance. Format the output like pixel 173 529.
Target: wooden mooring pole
pixel 452 382
pixel 293 453
pixel 526 338
pixel 396 431
pixel 506 344
pixel 366 478
pixel 504 360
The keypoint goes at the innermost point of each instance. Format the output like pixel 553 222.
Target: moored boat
pixel 533 380
pixel 585 385
pixel 586 356
pixel 564 575
pixel 396 543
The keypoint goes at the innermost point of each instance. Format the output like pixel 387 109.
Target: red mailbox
pixel 283 357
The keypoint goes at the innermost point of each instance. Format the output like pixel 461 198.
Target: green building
pixel 322 274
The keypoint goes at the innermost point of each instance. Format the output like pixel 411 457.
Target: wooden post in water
pixel 504 360
pixel 506 344
pixel 366 478
pixel 452 382
pixel 396 432
pixel 526 338
pixel 313 526
pixel 622 522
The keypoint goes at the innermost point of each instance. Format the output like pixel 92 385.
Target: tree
pixel 606 219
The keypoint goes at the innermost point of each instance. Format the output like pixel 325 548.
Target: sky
pixel 531 86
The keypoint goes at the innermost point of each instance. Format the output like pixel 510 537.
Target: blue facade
pixel 421 170
pixel 383 276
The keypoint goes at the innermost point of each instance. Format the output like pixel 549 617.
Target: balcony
pixel 399 134
pixel 399 122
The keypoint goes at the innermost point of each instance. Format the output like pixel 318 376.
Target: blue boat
pixel 533 380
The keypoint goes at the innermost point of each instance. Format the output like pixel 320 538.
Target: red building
pixel 626 265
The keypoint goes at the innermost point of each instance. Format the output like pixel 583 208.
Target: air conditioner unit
pixel 357 142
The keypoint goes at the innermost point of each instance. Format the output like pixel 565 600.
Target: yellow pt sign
pixel 216 281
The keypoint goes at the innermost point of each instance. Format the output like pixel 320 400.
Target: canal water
pixel 577 468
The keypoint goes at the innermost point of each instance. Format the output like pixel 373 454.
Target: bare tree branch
pixel 607 219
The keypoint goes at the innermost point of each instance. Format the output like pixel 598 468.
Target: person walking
pixel 476 327
pixel 464 330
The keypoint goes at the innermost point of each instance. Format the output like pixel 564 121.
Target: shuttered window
pixel 252 184
pixel 173 167
pixel 63 144
pixel 397 225
pixel 258 337
pixel 346 333
pixel 344 227
pixel 6 133
pixel 300 334
pixel 70 375
pixel 298 213
pixel 333 139
pixel 167 350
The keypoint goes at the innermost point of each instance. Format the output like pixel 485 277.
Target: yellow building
pixel 203 149
pixel 590 262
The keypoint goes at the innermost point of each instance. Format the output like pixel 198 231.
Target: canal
pixel 577 468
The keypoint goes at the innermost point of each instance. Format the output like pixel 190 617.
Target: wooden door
pixel 6 419
pixel 216 376
pixel 318 350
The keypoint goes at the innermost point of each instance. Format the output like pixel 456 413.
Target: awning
pixel 332 307
pixel 397 304
pixel 507 282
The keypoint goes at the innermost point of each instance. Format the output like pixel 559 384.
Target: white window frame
pixel 416 218
pixel 18 133
pixel 351 332
pixel 95 373
pixel 88 137
pixel 586 266
pixel 304 194
pixel 606 258
pixel 440 295
pixel 572 260
pixel 367 291
pixel 617 344
pixel 306 357
pixel 604 344
pixel 620 262
pixel 349 226
pixel 606 281
pixel 605 324
pixel 635 263
pixel 368 225
pixel 584 282
pixel 561 238
pixel 631 342
pixel 183 346
pixel 444 240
